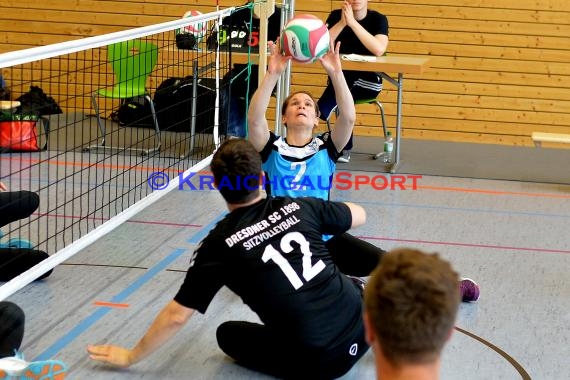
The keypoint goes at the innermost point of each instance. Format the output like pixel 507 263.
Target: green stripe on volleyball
pixel 305 38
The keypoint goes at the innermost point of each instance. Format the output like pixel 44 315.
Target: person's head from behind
pixel 411 303
pixel 236 167
pixel 300 108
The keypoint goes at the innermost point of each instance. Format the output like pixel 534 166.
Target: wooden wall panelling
pixel 499 68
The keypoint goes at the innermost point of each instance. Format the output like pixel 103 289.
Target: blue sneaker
pixel 16 243
pixel 16 367
pixel 45 370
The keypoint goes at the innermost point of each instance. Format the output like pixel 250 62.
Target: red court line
pixel 470 245
pixel 111 304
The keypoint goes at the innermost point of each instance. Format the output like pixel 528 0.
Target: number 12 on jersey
pixel 309 270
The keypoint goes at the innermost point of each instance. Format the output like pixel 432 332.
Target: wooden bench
pixel 539 137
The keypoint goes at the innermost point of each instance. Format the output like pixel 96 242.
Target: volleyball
pixel 197 29
pixel 305 38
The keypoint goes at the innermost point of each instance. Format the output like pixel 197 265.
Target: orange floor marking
pixel 111 304
pixel 493 192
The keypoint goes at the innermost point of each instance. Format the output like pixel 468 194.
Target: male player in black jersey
pixel 270 252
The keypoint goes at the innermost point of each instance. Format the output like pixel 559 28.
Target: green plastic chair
pixel 132 62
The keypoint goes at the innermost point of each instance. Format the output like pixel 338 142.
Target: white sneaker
pixel 17 367
pixel 345 158
pixel 12 366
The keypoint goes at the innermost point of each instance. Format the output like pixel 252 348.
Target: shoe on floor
pixel 12 366
pixel 358 281
pixel 45 370
pixel 17 368
pixel 345 157
pixel 469 290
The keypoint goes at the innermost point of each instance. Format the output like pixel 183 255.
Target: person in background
pixel 16 205
pixel 411 304
pixel 12 364
pixel 361 31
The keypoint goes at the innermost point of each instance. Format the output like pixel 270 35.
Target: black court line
pixel 524 374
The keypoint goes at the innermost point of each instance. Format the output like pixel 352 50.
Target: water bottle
pixel 389 149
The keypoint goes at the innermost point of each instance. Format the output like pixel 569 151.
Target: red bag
pixel 19 135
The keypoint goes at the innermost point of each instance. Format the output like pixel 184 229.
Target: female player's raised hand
pixel 276 62
pixel 331 60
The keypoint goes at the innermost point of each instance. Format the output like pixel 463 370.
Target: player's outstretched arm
pixel 168 322
pixel 256 119
pixel 347 112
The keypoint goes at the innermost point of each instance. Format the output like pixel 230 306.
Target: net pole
pixel 263 10
pixel 287 11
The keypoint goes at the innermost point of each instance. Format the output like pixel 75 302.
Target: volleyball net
pixel 103 115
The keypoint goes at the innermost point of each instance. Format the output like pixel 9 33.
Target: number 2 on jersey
pixel 309 270
pixel 302 165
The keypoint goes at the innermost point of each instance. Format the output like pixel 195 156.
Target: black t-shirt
pixel 272 255
pixel 374 22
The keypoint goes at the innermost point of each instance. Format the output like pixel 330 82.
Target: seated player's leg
pixel 16 205
pixel 354 256
pixel 15 261
pixel 252 345
pixel 326 102
pixel 12 321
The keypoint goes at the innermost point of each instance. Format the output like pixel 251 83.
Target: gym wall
pixel 499 68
